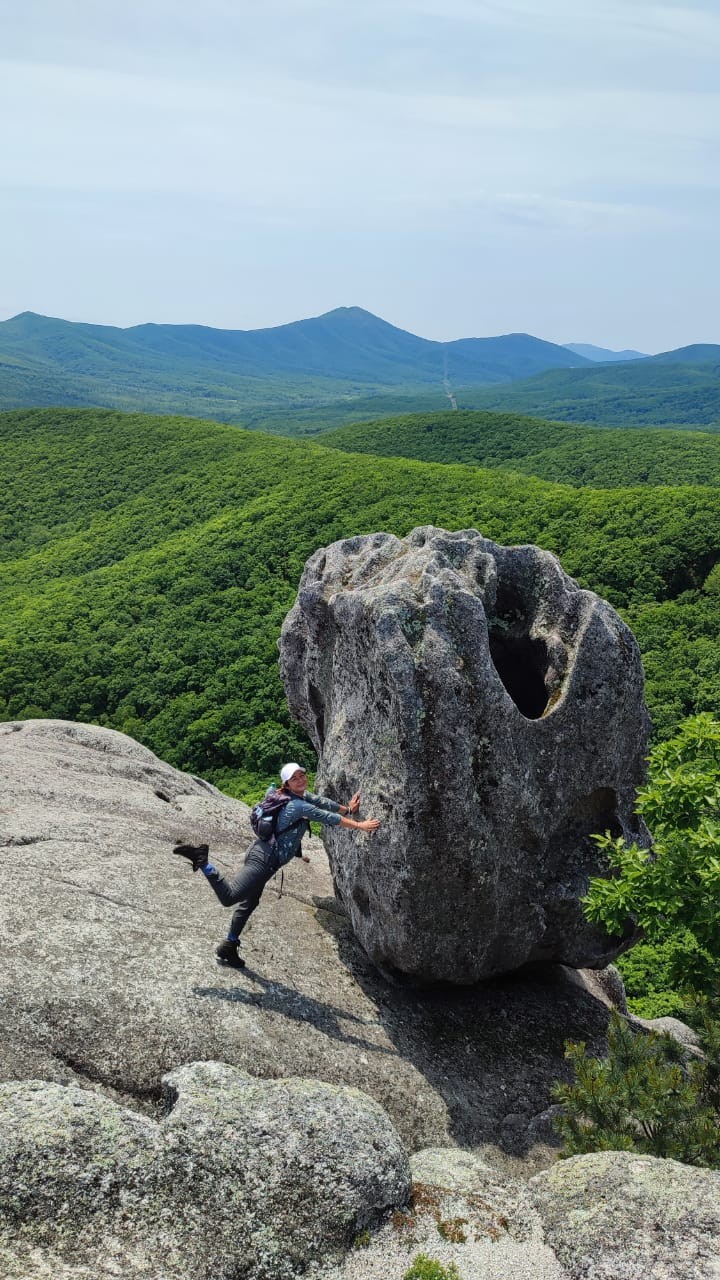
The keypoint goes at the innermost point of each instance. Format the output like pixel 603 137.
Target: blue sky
pixel 459 167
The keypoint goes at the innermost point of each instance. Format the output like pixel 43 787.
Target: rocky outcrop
pixel 614 1215
pixel 109 979
pixel 608 1216
pixel 242 1178
pixel 108 983
pixel 461 1214
pixel 492 715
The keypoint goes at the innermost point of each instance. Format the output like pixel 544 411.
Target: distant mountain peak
pixel 350 311
pixel 603 355
pixel 30 316
pixel 360 314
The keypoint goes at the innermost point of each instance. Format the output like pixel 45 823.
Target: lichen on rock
pixel 491 712
pixel 615 1214
pixel 242 1177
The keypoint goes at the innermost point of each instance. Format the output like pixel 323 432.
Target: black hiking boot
pixel 195 853
pixel 227 954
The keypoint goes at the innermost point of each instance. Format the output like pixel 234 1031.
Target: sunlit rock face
pixel 491 713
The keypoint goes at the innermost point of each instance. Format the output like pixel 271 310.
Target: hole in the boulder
pixel 521 662
pixel 161 796
pixel 597 813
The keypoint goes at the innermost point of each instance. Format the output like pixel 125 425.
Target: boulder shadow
pixel 493 1051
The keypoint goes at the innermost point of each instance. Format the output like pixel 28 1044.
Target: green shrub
pixel 674 889
pixel 649 1095
pixel 424 1268
pixel 652 1095
pixel 648 972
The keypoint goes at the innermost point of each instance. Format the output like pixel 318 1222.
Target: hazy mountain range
pixel 346 343
pixel 602 355
pixel 322 370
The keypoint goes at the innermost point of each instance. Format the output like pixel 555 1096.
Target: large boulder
pixel 241 1178
pixel 614 1215
pixel 491 712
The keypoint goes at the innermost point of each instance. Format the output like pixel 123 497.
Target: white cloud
pixel 362 41
pixel 279 143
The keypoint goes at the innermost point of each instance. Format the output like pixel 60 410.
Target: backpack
pixel 264 815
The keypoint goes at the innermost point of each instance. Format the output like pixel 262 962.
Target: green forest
pixel 676 390
pixel 608 458
pixel 148 562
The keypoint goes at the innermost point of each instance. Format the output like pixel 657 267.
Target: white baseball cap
pixel 288 770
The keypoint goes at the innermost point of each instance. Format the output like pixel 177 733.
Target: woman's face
pixel 298 783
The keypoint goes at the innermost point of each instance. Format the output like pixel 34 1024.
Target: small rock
pixel 673 1027
pixel 614 1215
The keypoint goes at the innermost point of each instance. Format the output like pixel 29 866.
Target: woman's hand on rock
pixel 369 824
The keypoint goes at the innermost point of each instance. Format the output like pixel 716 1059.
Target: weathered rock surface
pixel 608 1216
pixel 108 976
pixel 108 982
pixel 492 715
pixel 618 1216
pixel 500 1204
pixel 463 1214
pixel 242 1178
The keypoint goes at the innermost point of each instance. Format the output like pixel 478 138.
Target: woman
pixel 265 857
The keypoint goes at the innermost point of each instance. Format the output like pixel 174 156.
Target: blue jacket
pixel 310 808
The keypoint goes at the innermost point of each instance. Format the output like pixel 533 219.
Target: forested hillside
pixel 345 366
pixel 148 564
pixel 678 388
pixel 605 459
pixel 192 368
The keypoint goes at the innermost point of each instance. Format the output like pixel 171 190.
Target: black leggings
pixel 244 890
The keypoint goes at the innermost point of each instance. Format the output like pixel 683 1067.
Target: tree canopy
pixel 147 564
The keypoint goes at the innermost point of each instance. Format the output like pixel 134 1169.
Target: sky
pixel 459 167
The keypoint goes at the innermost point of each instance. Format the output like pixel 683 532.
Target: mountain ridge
pixel 358 343
pixel 604 355
pixel 289 374
pixel 673 389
